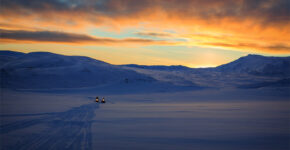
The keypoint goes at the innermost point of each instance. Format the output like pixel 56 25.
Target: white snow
pixel 204 119
pixel 48 102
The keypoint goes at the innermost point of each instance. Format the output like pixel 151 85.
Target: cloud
pixel 262 43
pixel 277 48
pixel 263 22
pixel 70 38
pixel 264 11
pixel 154 34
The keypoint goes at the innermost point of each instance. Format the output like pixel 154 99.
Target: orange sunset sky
pixel 194 33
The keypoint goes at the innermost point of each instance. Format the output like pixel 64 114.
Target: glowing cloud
pixel 70 38
pixel 251 26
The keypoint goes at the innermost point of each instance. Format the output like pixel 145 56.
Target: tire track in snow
pixel 66 130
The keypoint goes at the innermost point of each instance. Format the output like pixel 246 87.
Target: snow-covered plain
pixel 47 102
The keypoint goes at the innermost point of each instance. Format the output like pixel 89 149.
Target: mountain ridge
pixel 155 67
pixel 49 70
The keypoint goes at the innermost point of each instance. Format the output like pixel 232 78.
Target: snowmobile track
pixel 65 130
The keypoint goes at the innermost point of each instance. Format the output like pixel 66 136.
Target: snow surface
pixel 204 119
pixel 48 102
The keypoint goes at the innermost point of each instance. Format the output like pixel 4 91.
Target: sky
pixel 193 33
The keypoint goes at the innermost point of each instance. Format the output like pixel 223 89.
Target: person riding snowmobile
pixel 103 100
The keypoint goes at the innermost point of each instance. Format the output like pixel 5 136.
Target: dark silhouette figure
pixel 103 100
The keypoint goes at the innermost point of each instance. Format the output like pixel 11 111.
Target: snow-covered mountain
pixel 258 65
pixel 48 70
pixel 250 64
pixel 159 67
pixel 43 70
pixel 249 71
pixel 6 56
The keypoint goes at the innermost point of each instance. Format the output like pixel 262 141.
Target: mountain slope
pixel 258 65
pixel 159 67
pixel 250 64
pixel 43 70
pixel 7 56
pixel 248 70
pixel 48 70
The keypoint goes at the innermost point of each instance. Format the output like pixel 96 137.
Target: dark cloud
pixel 277 48
pixel 265 11
pixel 154 34
pixel 62 37
pixel 235 24
pixel 43 36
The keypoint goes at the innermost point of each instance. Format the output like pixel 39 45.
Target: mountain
pixel 250 64
pixel 43 70
pixel 6 56
pixel 252 71
pixel 48 70
pixel 258 65
pixel 159 67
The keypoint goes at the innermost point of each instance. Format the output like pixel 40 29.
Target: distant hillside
pixel 258 65
pixel 6 56
pixel 251 64
pixel 48 70
pixel 252 71
pixel 43 70
pixel 159 67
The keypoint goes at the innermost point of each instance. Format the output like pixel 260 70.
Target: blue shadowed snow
pixel 48 102
pixel 189 120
